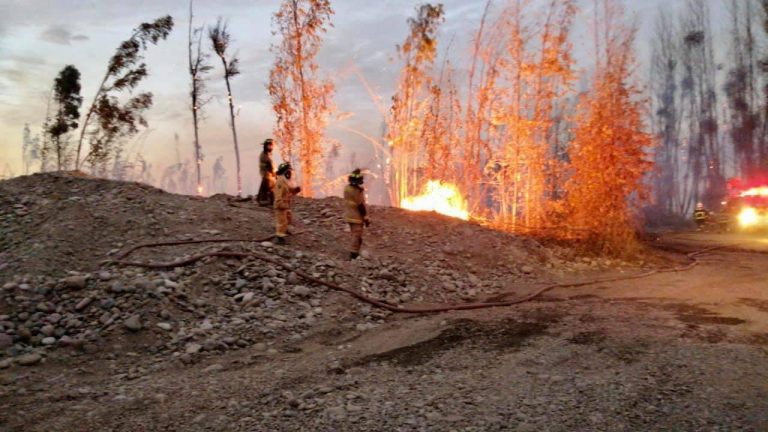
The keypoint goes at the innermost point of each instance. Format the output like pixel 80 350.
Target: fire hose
pixel 495 301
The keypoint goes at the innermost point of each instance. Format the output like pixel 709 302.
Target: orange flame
pixel 443 198
pixel 200 190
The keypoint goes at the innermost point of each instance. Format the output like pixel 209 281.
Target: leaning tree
pixel 109 119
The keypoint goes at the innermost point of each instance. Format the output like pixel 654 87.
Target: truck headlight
pixel 748 217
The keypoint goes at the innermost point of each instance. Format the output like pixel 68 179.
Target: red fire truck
pixel 747 204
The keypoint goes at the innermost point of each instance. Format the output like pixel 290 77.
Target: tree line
pixel 532 143
pixel 709 93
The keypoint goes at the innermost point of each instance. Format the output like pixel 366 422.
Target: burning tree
pixel 66 94
pixel 538 70
pixel 487 52
pixel 301 100
pixel 220 40
pixel 197 68
pixel 411 103
pixel 609 147
pixel 116 120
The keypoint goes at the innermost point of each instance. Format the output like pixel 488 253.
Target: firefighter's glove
pixel 297 189
pixel 367 222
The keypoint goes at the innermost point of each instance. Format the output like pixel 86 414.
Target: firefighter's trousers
pixel 283 218
pixel 356 230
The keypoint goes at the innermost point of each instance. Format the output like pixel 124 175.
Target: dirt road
pixel 678 351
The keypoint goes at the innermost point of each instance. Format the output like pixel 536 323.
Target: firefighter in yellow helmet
pixel 355 212
pixel 284 192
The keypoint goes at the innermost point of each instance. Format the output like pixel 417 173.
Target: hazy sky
pixel 39 37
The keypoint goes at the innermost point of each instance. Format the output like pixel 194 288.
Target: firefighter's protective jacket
pixel 354 204
pixel 700 214
pixel 284 192
pixel 265 164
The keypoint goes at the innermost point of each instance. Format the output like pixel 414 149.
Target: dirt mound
pixel 59 228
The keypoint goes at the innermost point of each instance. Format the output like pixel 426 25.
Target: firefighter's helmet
pixel 283 168
pixel 356 178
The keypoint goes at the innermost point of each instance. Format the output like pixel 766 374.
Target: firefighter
pixel 700 215
pixel 284 192
pixel 355 212
pixel 266 195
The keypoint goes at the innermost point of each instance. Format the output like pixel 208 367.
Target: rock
pixel 266 284
pixel 337 412
pixel 43 307
pixel 117 287
pixel 293 278
pixel 71 342
pixel 24 333
pixel 74 323
pixel 526 427
pixel 105 275
pixel 49 341
pixel 5 364
pixel 29 359
pixel 244 297
pixel 10 286
pixel 133 323
pixel 5 341
pixel 211 345
pixel 165 326
pixel 48 330
pixel 239 283
pixel 213 368
pixel 75 282
pixel 301 290
pixel 387 275
pixel 193 348
pixel 527 269
pixel 82 304
pixel 143 284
